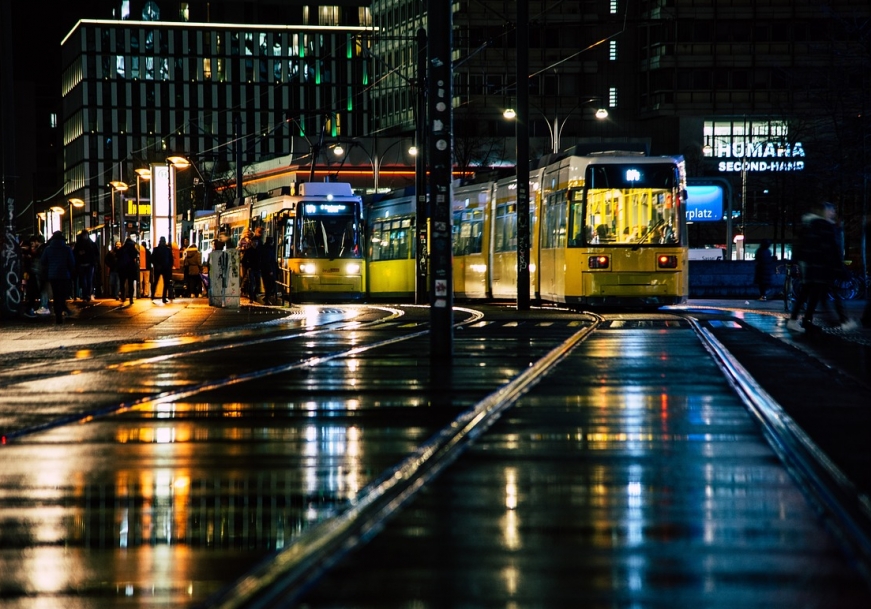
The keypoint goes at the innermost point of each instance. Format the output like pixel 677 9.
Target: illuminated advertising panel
pixel 163 203
pixel 704 203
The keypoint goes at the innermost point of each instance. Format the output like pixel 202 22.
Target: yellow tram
pixel 606 229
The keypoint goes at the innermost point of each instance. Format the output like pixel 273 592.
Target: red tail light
pixel 599 262
pixel 666 262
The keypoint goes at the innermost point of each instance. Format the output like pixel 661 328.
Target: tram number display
pixel 332 209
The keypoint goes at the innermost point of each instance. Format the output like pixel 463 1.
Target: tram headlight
pixel 666 261
pixel 599 262
pixel 352 268
pixel 307 268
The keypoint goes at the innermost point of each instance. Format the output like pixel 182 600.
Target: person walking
pixel 161 261
pixel 128 269
pixel 86 255
pixel 820 260
pixel 112 266
pixel 866 312
pixel 764 270
pixel 192 266
pixel 58 264
pixel 246 259
pixel 252 256
pixel 268 270
pixel 145 270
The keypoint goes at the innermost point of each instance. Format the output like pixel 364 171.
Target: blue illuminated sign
pixel 704 203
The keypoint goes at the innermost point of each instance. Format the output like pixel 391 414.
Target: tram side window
pixel 554 222
pixel 506 228
pixel 576 221
pixel 391 240
pixel 468 239
pixel 376 241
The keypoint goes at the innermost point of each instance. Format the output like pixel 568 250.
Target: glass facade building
pixel 135 92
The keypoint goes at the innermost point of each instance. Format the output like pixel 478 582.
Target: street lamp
pixel 556 128
pixel 117 186
pixel 375 161
pixel 141 174
pixel 78 203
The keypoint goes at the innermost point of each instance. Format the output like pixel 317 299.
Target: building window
pixel 612 97
pixel 743 138
pixel 613 7
pixel 612 50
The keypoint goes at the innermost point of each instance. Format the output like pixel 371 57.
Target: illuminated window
pixel 612 97
pixel 612 50
pixel 613 7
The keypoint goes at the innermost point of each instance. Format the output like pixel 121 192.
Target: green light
pixel 365 74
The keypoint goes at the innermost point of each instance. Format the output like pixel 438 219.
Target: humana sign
pixel 760 156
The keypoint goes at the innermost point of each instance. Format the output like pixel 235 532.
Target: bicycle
pixel 846 287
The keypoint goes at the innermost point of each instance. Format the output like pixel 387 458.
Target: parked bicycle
pixel 846 288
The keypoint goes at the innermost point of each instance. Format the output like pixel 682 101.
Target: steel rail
pixel 282 579
pixel 847 512
pixel 173 395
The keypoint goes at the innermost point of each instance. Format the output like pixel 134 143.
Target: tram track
pixel 238 342
pixel 353 523
pixel 292 573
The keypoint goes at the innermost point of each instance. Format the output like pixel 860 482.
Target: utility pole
pixel 522 136
pixel 440 144
pixel 420 188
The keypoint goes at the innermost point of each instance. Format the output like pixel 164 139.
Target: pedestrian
pixel 145 265
pixel 86 254
pixel 268 270
pixel 820 261
pixel 128 269
pixel 58 264
pixel 192 267
pixel 763 275
pixel 111 262
pixel 252 254
pixel 161 261
pixel 245 260
pixel 866 312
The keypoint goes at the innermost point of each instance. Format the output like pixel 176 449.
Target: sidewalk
pixel 107 320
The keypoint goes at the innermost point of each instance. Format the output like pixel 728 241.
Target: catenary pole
pixel 522 147
pixel 440 144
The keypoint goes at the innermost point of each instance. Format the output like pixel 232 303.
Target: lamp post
pixel 141 174
pixel 117 186
pixel 375 161
pixel 78 203
pixel 555 128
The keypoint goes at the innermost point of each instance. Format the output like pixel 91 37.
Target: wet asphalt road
pixel 112 497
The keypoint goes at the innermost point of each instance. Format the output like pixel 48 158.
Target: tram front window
pixel 329 236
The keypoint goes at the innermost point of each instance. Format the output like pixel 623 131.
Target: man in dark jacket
pixel 128 268
pixel 58 266
pixel 820 260
pixel 161 262
pixel 764 270
pixel 85 252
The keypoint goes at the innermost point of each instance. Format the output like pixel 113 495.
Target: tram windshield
pixel 627 204
pixel 328 230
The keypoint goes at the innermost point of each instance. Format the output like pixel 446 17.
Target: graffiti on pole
pixel 11 263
